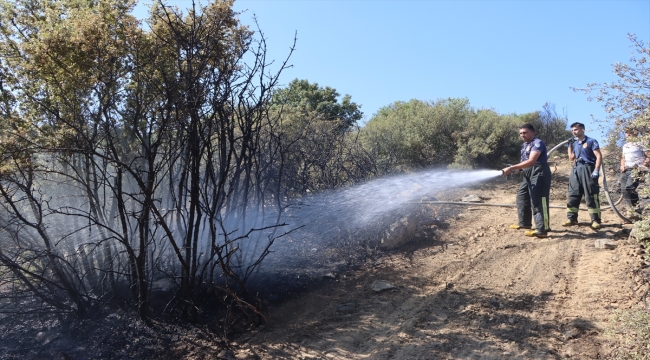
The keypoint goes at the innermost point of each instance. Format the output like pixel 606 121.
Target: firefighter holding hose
pixel 533 193
pixel 583 180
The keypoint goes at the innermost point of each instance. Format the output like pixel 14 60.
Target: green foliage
pixel 416 133
pixel 489 140
pixel 318 147
pixel 304 102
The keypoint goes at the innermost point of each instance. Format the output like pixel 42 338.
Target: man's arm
pixel 599 158
pixel 534 155
pixel 572 156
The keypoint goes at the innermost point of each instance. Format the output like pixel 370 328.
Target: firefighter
pixel 583 181
pixel 533 193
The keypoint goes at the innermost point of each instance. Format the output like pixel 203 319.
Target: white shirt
pixel 634 153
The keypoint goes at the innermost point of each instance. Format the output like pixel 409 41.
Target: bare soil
pixel 477 290
pixel 466 287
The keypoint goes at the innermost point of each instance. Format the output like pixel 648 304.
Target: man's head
pixel 630 131
pixel 527 132
pixel 578 130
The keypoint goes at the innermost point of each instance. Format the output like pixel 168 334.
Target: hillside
pixel 477 289
pixel 461 285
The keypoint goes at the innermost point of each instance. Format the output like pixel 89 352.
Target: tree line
pixel 135 159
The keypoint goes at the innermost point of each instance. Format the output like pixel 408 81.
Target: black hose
pixel 483 204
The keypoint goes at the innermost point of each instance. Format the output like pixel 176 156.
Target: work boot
pixel 518 227
pixel 595 225
pixel 570 222
pixel 534 233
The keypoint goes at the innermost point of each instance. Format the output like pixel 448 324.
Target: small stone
pixel 226 355
pixel 471 198
pixel 382 285
pixel 570 334
pixel 46 338
pixel 440 316
pixel 605 244
pixel 346 308
pixel 495 303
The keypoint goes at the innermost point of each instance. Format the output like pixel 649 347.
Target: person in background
pixel 536 184
pixel 635 156
pixel 583 180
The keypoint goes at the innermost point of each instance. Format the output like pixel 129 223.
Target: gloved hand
pixel 571 141
pixel 594 175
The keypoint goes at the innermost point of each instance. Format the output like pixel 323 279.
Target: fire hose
pixel 602 171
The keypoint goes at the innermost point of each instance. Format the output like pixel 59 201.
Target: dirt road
pixel 477 290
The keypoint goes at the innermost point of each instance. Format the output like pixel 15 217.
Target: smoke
pixel 334 224
pixel 321 233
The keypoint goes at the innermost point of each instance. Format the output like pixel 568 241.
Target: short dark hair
pixel 577 124
pixel 527 126
pixel 631 130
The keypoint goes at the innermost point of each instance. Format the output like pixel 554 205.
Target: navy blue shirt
pixel 584 150
pixel 535 145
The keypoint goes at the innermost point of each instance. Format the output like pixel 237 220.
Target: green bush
pixel 416 133
pixel 489 140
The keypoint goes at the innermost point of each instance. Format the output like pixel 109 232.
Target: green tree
pixel 309 101
pixel 315 137
pixel 416 133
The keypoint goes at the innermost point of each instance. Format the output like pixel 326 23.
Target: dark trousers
pixel 629 183
pixel 581 184
pixel 532 197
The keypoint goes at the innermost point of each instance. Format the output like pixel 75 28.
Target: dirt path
pixel 478 290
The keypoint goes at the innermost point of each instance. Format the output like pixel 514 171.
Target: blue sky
pixel 511 56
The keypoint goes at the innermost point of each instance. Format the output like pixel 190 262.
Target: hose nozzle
pixel 503 172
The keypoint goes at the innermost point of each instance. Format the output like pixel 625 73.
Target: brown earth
pixel 477 290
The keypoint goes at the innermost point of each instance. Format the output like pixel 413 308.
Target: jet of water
pixel 378 200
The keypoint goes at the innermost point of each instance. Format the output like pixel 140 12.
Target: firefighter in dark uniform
pixel 533 193
pixel 583 181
